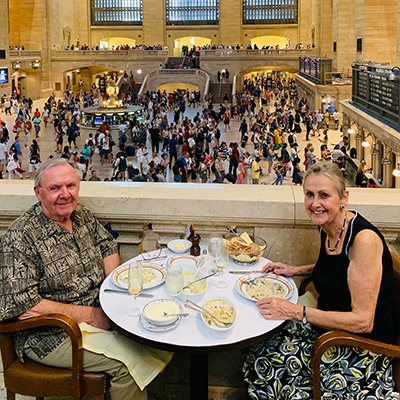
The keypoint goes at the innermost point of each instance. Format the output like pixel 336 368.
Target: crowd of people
pixel 167 145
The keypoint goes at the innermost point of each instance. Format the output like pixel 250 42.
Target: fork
pixel 190 304
pixel 156 256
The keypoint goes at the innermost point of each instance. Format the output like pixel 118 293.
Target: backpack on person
pixel 122 164
pixel 290 139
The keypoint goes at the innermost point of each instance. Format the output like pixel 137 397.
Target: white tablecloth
pixel 191 331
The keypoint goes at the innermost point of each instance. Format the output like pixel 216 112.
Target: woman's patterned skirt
pixel 280 368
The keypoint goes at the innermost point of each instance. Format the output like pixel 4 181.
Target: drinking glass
pixel 215 246
pixel 135 286
pixel 221 263
pixel 174 280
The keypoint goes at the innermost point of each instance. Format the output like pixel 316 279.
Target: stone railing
pixel 275 213
pixel 162 76
pixel 57 55
pixel 23 54
pixel 233 53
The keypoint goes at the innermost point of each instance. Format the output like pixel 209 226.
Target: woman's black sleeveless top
pixel 330 281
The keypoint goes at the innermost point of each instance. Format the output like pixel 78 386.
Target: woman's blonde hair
pixel 329 169
pixel 362 165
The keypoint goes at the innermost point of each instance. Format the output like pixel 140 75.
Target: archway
pixel 177 86
pixel 189 41
pixel 113 42
pixel 270 41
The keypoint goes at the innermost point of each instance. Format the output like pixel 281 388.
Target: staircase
pixel 219 90
pixel 174 61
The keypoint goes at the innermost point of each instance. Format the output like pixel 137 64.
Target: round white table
pixel 191 335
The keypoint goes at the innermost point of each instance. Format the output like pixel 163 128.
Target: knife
pixel 246 272
pixel 149 295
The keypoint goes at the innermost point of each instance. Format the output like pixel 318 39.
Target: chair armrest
pixel 303 285
pixel 55 320
pixel 337 338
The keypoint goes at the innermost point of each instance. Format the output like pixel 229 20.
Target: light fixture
pixel 374 151
pixel 350 131
pixel 386 161
pixel 396 172
pixel 36 64
pixel 139 71
pixel 358 136
pixel 365 142
pixel 17 65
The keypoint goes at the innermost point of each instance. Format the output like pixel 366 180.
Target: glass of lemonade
pixel 135 286
pixel 221 262
pixel 174 280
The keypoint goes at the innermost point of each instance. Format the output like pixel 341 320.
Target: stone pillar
pixel 230 23
pixel 359 137
pixel 4 43
pixel 376 160
pixel 153 33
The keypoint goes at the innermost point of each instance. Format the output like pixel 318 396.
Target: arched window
pixel 116 12
pixel 270 12
pixel 192 12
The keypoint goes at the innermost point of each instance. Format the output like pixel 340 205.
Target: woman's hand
pixel 272 308
pixel 279 268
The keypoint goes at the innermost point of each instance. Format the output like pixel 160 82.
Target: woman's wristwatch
pixel 304 320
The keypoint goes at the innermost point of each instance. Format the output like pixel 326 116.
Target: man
pixel 53 260
pixel 219 168
pixel 256 170
pixel 94 177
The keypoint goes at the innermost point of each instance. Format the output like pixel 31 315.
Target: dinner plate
pixel 155 328
pixel 155 276
pixel 255 287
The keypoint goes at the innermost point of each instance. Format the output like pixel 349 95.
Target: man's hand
pixel 98 319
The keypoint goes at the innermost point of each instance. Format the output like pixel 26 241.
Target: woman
pixel 34 157
pixel 270 157
pixel 353 276
pixel 240 179
pixel 203 170
pixel 247 167
pixel 360 173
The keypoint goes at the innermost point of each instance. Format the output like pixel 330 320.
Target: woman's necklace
pixel 340 236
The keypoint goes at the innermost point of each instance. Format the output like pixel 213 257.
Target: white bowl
pixel 179 245
pixel 153 312
pixel 197 289
pixel 222 309
pixel 183 261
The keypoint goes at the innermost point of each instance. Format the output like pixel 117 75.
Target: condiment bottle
pixel 195 239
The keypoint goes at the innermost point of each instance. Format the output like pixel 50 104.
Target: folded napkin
pixel 143 363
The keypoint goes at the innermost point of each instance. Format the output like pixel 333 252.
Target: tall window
pixel 270 12
pixel 116 12
pixel 192 12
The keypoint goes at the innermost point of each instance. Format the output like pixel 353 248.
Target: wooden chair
pixel 335 338
pixel 34 379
